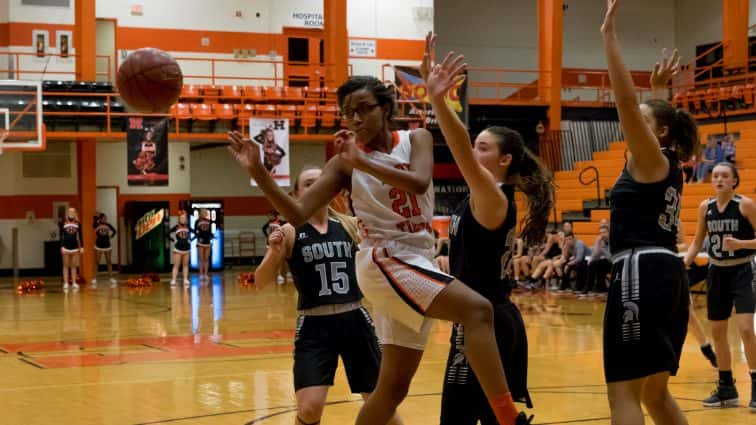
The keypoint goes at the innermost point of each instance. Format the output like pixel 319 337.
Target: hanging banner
pixel 147 146
pixel 272 135
pixel 413 97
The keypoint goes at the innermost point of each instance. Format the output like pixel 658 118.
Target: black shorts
pixel 463 401
pixel 727 287
pixel 646 317
pixel 319 342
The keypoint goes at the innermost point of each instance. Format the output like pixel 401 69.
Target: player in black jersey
pixel 728 222
pixel 70 247
pixel 104 232
pixel 332 321
pixel 646 314
pixel 181 247
pixel 482 243
pixel 203 229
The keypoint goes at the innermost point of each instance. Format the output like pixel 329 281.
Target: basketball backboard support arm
pixel 22 98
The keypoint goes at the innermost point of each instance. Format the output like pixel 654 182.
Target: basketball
pixel 149 80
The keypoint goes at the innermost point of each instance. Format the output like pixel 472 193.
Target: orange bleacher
pixel 305 107
pixel 571 193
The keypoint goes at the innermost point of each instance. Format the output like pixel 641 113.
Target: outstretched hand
pixel 440 78
pixel 609 19
pixel 665 69
pixel 245 152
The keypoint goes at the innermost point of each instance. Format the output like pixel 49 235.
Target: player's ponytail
pixel 530 176
pixel 348 222
pixel 682 130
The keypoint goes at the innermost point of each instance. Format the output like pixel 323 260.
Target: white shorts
pixel 70 251
pixel 401 285
pixel 103 249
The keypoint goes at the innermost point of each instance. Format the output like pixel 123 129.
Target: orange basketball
pixel 149 80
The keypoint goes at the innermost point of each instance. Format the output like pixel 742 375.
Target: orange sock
pixel 504 409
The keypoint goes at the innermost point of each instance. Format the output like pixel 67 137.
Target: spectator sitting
pixel 575 251
pixel 713 154
pixel 599 265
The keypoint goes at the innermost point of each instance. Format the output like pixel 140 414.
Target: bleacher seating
pixel 306 108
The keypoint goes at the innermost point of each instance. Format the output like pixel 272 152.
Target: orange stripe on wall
pixel 178 40
pixel 395 49
pixel 16 206
pixel 130 38
pixel 4 34
pixel 20 33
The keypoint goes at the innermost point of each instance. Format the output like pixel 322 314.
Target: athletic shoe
pixel 708 352
pixel 752 404
pixel 173 282
pixel 113 281
pixel 280 280
pixel 65 287
pixel 75 286
pixel 723 396
pixel 94 282
pixel 186 282
pixel 523 419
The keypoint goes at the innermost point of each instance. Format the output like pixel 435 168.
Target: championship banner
pixel 413 97
pixel 449 194
pixel 147 146
pixel 272 135
pixel 149 221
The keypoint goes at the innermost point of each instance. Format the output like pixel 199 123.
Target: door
pixel 106 46
pixel 107 203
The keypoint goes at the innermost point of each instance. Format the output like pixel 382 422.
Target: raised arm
pixel 695 247
pixel 280 244
pixel 489 204
pixel 416 180
pixel 664 70
pixel 328 185
pixel 647 163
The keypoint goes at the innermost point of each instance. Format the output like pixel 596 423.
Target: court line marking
pixel 292 409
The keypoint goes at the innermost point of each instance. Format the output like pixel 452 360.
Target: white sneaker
pixel 65 287
pixel 94 282
pixel 186 282
pixel 113 281
pixel 75 286
pixel 281 280
pixel 173 282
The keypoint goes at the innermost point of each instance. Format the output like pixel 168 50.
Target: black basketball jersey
pixel 322 266
pixel 646 214
pixel 479 257
pixel 729 222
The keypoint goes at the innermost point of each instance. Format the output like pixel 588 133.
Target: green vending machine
pixel 148 225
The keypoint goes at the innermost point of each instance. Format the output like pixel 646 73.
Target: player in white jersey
pixel 389 175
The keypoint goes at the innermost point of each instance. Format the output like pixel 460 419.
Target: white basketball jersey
pixel 388 213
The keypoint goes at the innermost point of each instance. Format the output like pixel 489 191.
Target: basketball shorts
pixel 320 340
pixel 401 284
pixel 646 316
pixel 728 287
pixel 463 401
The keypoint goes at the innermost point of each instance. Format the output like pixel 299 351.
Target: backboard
pixel 21 116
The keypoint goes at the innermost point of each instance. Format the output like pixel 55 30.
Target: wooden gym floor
pixel 120 356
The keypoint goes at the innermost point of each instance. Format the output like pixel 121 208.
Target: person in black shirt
pixel 646 315
pixel 104 232
pixel 70 247
pixel 482 245
pixel 203 229
pixel 728 222
pixel 332 320
pixel 181 248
